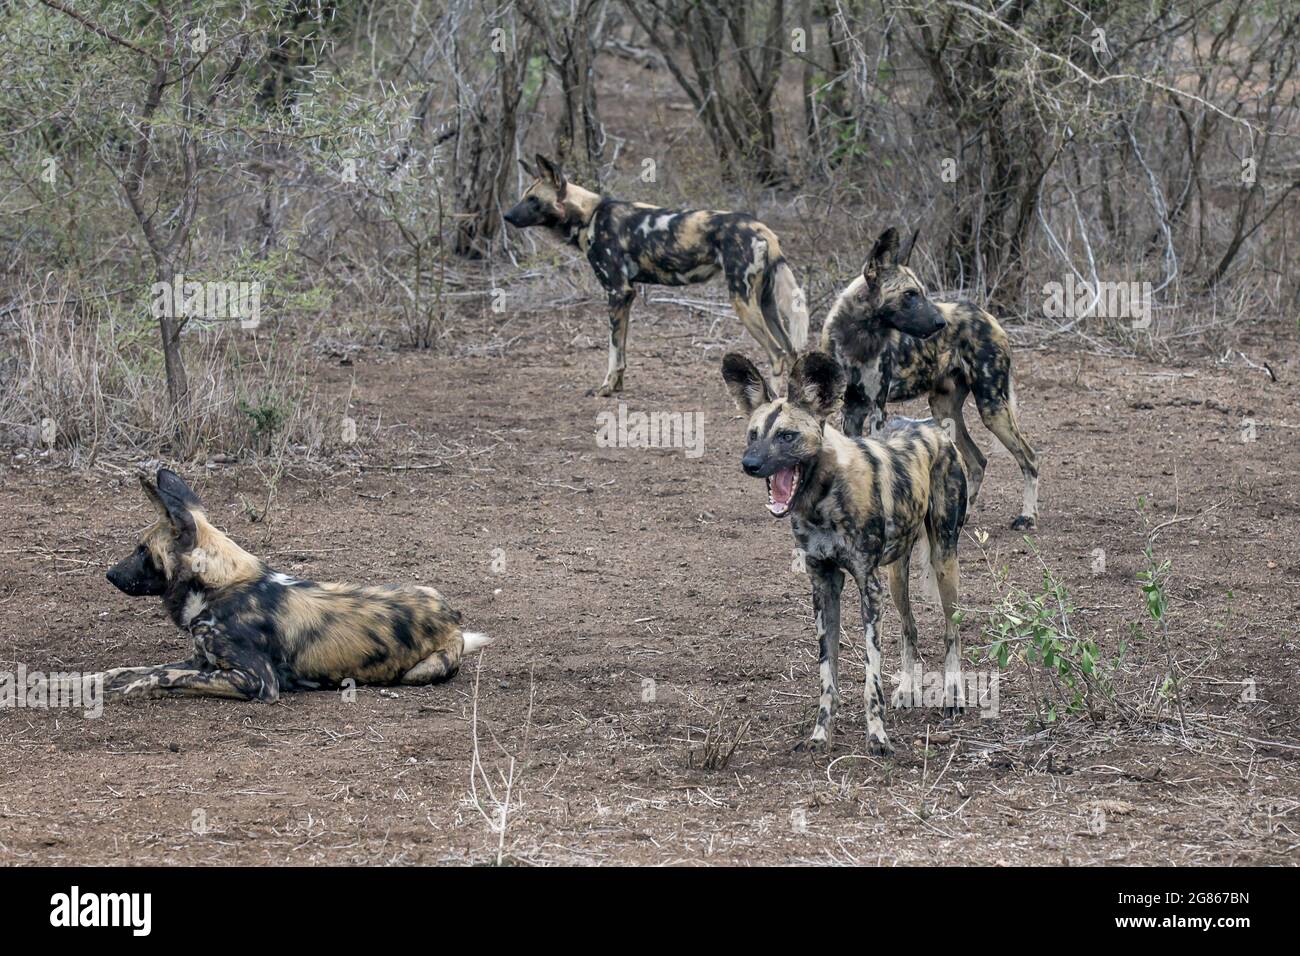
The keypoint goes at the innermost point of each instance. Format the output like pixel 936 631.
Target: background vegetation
pixel 356 157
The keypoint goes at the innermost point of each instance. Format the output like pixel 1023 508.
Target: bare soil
pixel 598 569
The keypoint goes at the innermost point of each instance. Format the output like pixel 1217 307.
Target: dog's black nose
pixel 752 466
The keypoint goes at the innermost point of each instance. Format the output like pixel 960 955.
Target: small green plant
pixel 1038 630
pixel 268 416
pixel 1153 582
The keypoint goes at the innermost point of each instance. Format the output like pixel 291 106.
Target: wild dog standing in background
pixel 896 344
pixel 855 505
pixel 258 632
pixel 629 243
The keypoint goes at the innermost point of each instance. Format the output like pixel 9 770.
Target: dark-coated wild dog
pixel 896 344
pixel 855 505
pixel 628 243
pixel 258 632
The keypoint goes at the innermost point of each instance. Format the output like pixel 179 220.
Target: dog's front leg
pixel 620 310
pixel 827 582
pixel 876 413
pixel 228 668
pixel 118 678
pixel 877 739
pixel 180 682
pixel 855 404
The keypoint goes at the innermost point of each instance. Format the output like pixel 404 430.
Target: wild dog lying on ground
pixel 855 505
pixel 258 632
pixel 629 243
pixel 896 344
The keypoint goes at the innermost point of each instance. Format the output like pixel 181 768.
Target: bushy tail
pixel 921 562
pixel 791 305
pixel 475 641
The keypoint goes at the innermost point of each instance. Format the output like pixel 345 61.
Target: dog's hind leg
pixel 785 313
pixel 943 526
pixel 751 316
pixel 999 417
pixel 947 406
pixel 748 284
pixel 908 690
pixel 438 666
pixel 948 576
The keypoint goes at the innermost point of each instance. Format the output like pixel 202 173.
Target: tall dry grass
pixel 86 375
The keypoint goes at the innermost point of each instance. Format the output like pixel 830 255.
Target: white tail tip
pixel 475 641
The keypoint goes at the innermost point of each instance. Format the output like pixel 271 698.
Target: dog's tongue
pixel 782 489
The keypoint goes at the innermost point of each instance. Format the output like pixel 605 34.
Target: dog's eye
pixel 787 436
pixel 753 434
pixel 909 295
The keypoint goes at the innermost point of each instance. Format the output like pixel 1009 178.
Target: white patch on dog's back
pixel 659 224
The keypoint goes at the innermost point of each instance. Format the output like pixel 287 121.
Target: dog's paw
pixel 1024 523
pixel 879 746
pixel 814 745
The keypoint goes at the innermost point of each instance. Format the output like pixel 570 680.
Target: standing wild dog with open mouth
pixel 629 243
pixel 258 632
pixel 855 505
pixel 896 344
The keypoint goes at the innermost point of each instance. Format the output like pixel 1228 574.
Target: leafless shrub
pixel 719 744
pixel 493 803
pixel 727 58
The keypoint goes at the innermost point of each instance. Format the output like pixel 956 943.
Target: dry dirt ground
pixel 598 569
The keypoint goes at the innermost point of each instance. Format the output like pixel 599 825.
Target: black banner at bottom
pixel 337 906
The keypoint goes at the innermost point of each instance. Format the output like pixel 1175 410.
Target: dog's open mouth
pixel 781 489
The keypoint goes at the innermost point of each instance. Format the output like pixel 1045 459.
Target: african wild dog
pixel 631 243
pixel 258 632
pixel 855 505
pixel 896 344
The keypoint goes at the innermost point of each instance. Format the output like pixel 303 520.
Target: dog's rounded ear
pixel 883 252
pixel 816 384
pixel 151 492
pixel 905 252
pixel 552 171
pixel 745 382
pixel 179 503
pixel 528 169
pixel 172 485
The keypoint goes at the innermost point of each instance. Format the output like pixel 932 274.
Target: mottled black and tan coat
pixel 631 243
pixel 258 632
pixel 855 505
pixel 896 344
